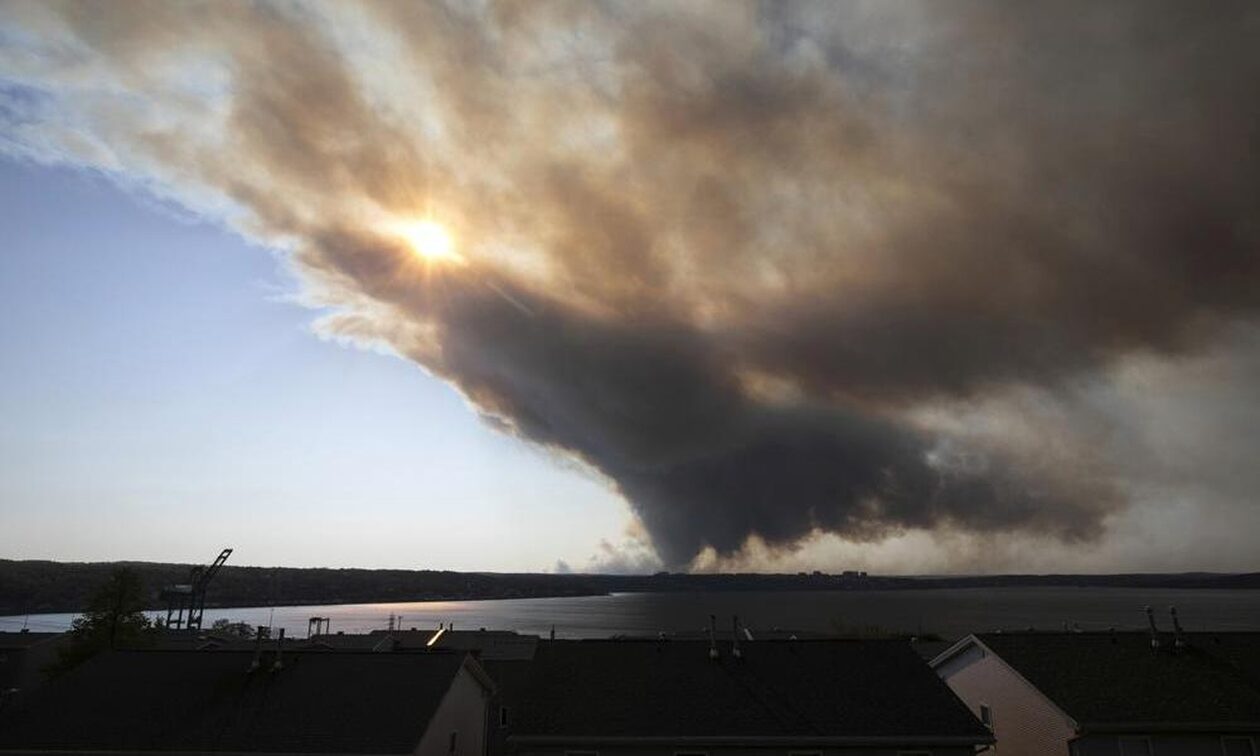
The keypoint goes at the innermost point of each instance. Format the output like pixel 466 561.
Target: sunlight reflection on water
pixel 948 612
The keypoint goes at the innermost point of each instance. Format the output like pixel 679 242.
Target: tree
pixel 224 626
pixel 114 618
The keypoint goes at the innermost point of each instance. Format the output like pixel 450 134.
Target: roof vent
pixel 1150 619
pixel 1179 641
pixel 713 650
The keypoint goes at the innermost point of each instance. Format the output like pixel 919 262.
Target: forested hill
pixel 44 586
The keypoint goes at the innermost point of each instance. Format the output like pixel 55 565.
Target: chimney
pixel 279 665
pixel 1150 619
pixel 713 650
pixel 1179 641
pixel 553 632
pixel 735 635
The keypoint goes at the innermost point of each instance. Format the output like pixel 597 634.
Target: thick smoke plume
pixel 731 256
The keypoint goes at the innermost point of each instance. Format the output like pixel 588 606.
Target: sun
pixel 429 240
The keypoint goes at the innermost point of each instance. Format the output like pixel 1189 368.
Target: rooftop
pixel 25 639
pixel 1109 678
pixel 208 701
pixel 824 689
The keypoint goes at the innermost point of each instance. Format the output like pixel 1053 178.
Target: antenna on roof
pixel 713 650
pixel 1179 641
pixel 1150 619
pixel 553 632
pixel 735 634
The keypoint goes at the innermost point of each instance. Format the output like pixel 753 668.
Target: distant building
pixel 1111 694
pixel 23 657
pixel 313 702
pixel 671 698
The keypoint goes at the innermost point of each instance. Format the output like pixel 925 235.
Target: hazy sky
pixel 904 286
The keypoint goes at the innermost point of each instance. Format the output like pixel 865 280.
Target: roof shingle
pixel 671 688
pixel 1113 678
pixel 206 701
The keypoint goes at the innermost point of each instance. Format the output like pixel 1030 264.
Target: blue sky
pixel 164 397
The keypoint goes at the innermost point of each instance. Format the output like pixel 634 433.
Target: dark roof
pixel 1116 678
pixel 25 640
pixel 670 688
pixel 487 644
pixel 349 642
pixel 206 701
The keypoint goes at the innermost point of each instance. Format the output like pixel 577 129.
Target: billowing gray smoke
pixel 730 256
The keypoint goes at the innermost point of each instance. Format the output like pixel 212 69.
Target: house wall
pixel 1025 723
pixel 1161 745
pixel 463 711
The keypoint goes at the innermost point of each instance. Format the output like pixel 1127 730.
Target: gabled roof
pixel 804 690
pixel 1107 679
pixel 318 702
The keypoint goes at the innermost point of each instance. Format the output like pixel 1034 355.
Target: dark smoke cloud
pixel 726 255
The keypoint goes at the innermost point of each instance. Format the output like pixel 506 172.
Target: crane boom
pixel 192 595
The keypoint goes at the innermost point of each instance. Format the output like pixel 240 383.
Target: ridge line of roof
pixel 974 638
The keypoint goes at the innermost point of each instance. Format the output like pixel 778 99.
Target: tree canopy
pixel 114 618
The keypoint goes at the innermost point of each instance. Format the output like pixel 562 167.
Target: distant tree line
pixel 45 586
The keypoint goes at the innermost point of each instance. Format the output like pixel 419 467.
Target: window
pixel 986 716
pixel 1135 747
pixel 1238 747
pixel 503 716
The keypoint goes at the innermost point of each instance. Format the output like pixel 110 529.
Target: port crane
pixel 191 596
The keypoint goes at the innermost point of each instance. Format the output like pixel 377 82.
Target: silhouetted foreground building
pixel 671 697
pixel 1112 694
pixel 23 656
pixel 315 702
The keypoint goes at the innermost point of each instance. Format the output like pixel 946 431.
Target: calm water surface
pixel 949 612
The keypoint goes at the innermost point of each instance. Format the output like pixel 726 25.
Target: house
pixel 1111 693
pixel 691 697
pixel 23 657
pixel 227 701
